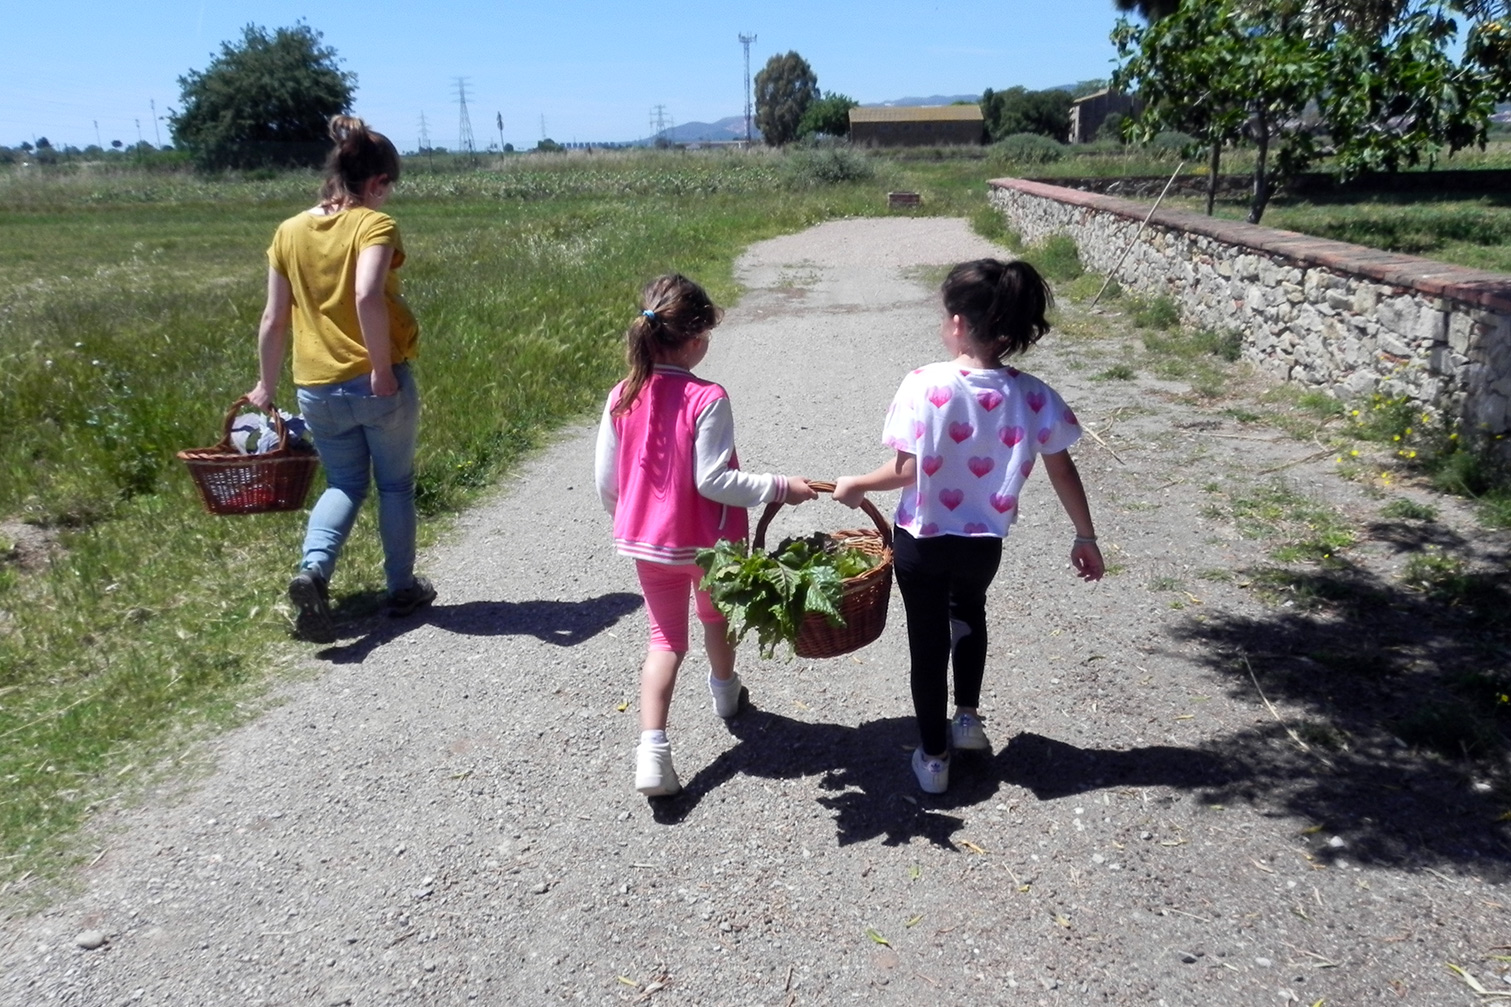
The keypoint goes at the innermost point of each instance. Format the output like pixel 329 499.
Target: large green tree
pixel 1280 76
pixel 1019 110
pixel 829 115
pixel 784 89
pixel 264 100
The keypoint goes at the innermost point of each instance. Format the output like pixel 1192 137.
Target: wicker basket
pixel 863 605
pixel 230 482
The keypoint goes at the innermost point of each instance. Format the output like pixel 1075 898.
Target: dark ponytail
pixel 1003 304
pixel 673 311
pixel 360 154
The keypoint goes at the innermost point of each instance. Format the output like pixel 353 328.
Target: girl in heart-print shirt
pixel 967 432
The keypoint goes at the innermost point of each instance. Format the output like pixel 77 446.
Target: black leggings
pixel 944 580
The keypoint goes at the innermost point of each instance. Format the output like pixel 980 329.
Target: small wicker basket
pixel 863 605
pixel 230 482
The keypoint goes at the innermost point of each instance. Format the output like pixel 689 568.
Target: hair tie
pixel 649 314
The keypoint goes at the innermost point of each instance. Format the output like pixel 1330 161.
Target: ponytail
pixel 1003 304
pixel 673 311
pixel 360 153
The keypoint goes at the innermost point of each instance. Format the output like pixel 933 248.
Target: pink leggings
pixel 665 589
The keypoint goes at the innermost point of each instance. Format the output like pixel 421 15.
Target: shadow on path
pixel 563 623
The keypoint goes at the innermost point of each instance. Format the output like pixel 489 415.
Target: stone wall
pixel 1338 317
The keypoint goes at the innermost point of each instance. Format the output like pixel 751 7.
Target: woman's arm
pixel 372 314
pixel 895 474
pixel 272 338
pixel 1066 479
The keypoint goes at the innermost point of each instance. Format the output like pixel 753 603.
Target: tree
pixel 1235 71
pixel 784 89
pixel 829 115
pixel 1018 110
pixel 265 100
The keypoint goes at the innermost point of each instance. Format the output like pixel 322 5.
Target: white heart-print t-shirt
pixel 976 434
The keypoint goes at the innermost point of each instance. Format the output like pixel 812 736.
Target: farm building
pixel 1087 114
pixel 916 125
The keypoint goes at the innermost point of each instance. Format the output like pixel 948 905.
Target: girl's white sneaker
pixel 654 775
pixel 727 695
pixel 966 733
pixel 933 774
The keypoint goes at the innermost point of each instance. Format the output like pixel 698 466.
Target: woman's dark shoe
pixel 416 596
pixel 312 608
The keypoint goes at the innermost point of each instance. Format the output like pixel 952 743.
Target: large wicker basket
pixel 863 605
pixel 230 482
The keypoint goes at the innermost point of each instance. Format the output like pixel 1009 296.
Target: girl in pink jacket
pixel 666 469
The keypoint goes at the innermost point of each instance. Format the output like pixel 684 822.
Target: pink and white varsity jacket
pixel 668 473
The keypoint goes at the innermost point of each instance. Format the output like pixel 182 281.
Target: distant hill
pixel 935 99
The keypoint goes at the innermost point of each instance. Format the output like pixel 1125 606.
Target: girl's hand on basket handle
pixel 798 491
pixel 847 490
pixel 892 475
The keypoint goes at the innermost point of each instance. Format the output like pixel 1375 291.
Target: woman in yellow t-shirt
pixel 331 280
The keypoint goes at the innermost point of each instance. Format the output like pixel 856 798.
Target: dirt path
pixel 445 814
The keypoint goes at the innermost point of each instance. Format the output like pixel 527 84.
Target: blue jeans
pixel 364 439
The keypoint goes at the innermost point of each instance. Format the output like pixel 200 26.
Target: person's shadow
pixel 563 623
pixel 873 791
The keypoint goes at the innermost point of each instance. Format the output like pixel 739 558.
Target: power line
pixel 746 40
pixel 464 124
pixel 424 134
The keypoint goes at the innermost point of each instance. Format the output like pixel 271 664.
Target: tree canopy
pixel 264 100
pixel 829 115
pixel 1284 78
pixel 1018 110
pixel 784 89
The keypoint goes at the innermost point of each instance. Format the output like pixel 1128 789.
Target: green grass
pixel 1299 528
pixel 128 312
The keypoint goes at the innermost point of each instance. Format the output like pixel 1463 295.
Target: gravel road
pixel 443 811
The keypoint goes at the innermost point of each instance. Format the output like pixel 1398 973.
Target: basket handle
pixel 235 410
pixel 823 487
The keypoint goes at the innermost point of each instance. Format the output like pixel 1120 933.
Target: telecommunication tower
pixel 464 125
pixel 746 40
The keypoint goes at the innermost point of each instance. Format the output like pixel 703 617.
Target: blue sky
pixel 593 70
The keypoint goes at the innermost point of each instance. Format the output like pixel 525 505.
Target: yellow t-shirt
pixel 318 256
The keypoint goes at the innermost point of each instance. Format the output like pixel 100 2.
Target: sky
pixel 573 70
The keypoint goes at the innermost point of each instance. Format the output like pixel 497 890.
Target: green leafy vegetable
pixel 772 592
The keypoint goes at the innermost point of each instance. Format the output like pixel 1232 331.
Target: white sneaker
pixel 727 695
pixel 933 774
pixel 966 733
pixel 654 775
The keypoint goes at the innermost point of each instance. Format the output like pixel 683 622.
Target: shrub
pixel 825 165
pixel 991 224
pixel 1028 148
pixel 1057 257
pixel 1155 313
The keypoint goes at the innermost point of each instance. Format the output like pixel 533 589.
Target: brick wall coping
pixel 1478 287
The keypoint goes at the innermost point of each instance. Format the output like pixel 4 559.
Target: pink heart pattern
pixel 980 465
pixel 1044 435
pixel 1070 418
pixel 1036 399
pixel 952 498
pixel 918 429
pixel 939 396
pixel 1003 502
pixel 961 432
pixel 929 530
pixel 989 399
pixel 976 528
pixel 932 463
pixel 1010 436
pixel 1026 468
